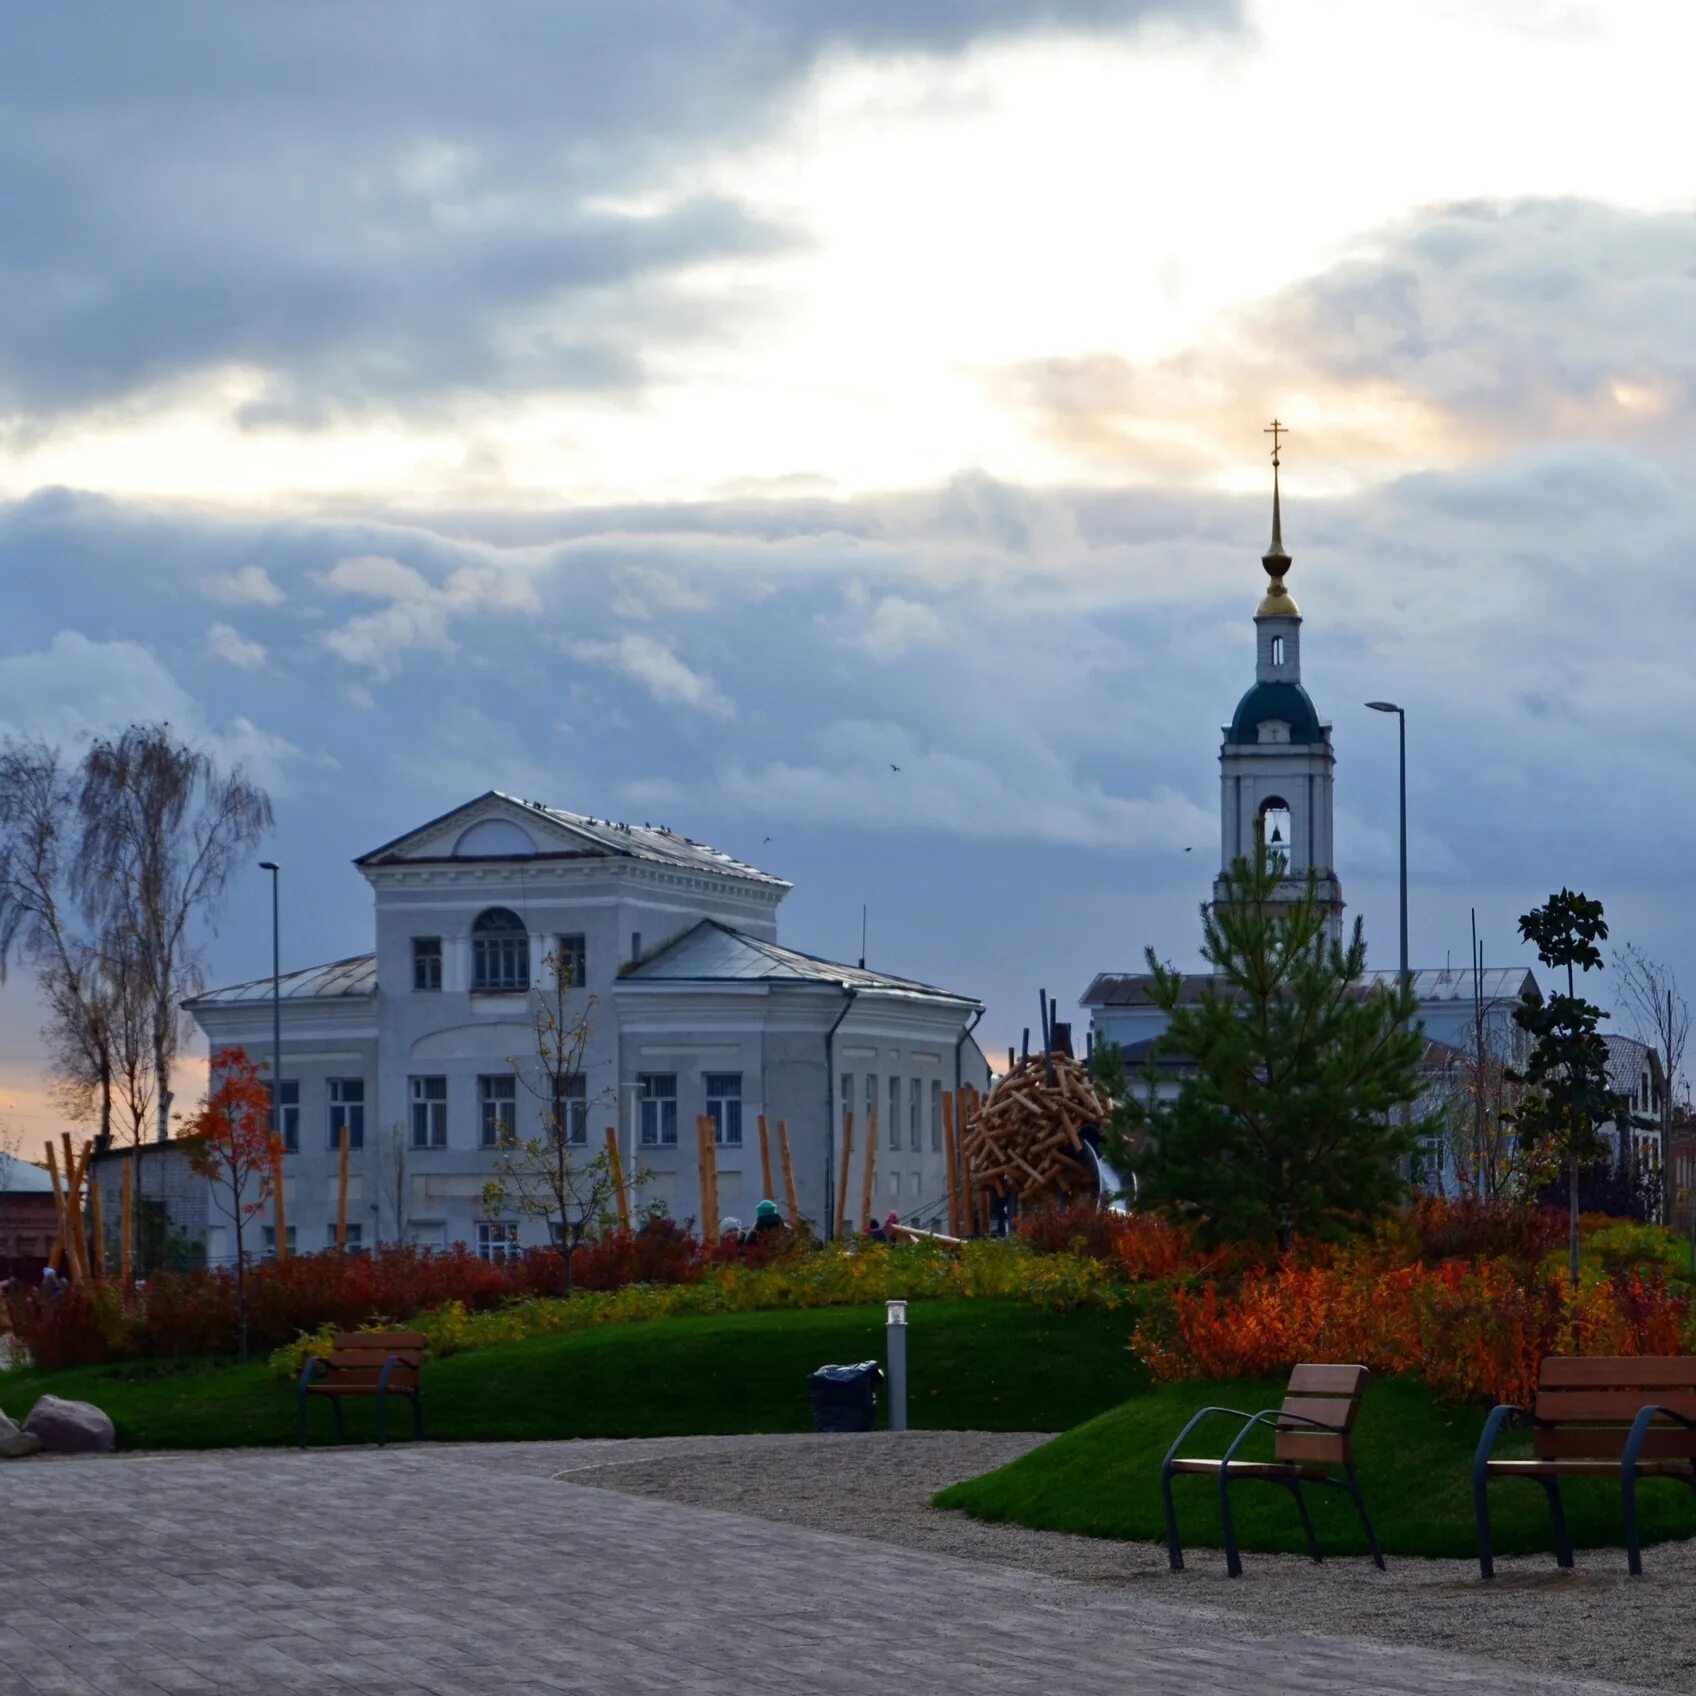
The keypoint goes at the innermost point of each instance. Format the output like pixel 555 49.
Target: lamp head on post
pixel 269 866
pixel 1384 706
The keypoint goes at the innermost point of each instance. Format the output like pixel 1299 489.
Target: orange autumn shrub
pixel 1474 1330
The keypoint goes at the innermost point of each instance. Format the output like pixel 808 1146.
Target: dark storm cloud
pixel 376 203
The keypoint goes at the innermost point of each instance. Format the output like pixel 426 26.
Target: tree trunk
pixel 241 1290
pixel 162 1086
pixel 1572 1203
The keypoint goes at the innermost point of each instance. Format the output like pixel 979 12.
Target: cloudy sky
pixel 688 409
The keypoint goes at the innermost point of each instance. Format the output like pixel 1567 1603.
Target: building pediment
pixel 492 827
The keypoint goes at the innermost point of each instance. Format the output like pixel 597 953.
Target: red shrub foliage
pixel 194 1313
pixel 1473 1229
pixel 1138 1246
pixel 1473 1329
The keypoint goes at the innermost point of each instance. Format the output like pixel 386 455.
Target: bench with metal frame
pixel 1630 1415
pixel 1312 1444
pixel 366 1363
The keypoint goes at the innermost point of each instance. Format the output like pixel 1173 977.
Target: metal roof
pixel 1628 1060
pixel 356 976
pixel 1498 983
pixel 714 953
pixel 649 842
pixel 22 1177
pixel 1133 989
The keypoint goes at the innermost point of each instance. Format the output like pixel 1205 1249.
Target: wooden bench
pixel 1630 1415
pixel 366 1363
pixel 1312 1444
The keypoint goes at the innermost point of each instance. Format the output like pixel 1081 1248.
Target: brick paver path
pixel 469 1570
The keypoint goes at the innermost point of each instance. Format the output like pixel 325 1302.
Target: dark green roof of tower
pixel 1286 701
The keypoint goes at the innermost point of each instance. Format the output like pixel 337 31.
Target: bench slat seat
pixel 1312 1443
pixel 366 1363
pixel 1599 1416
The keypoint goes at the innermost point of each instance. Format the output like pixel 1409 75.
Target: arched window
pixel 1277 650
pixel 1273 826
pixel 500 952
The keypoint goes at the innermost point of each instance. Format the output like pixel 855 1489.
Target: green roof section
pixel 1286 701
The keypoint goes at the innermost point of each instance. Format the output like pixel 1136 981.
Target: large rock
pixel 70 1428
pixel 15 1442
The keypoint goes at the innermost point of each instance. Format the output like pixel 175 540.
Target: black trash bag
pixel 844 1398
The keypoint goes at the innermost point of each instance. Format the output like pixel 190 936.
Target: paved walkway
pixel 463 1570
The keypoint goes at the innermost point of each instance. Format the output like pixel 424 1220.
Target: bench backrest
pixel 359 1356
pixel 1331 1395
pixel 1595 1400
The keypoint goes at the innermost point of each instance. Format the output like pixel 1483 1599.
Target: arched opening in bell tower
pixel 1272 826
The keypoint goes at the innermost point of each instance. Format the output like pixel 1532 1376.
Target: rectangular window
pixel 894 1120
pixel 658 1095
pixel 871 1098
pixel 936 1115
pixel 429 1112
pixel 497 1108
pixel 915 1136
pixel 724 1107
pixel 571 1107
pixel 347 1107
pixel 635 946
pixel 268 1239
pixel 500 955
pixel 845 1096
pixel 286 1114
pixel 355 1236
pixel 426 962
pixel 497 1241
pixel 571 961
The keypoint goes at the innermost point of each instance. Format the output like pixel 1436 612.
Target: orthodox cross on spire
pixel 1275 559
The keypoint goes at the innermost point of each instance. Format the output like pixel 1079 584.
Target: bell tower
pixel 1276 763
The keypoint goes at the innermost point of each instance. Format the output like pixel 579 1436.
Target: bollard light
pixel 895 1334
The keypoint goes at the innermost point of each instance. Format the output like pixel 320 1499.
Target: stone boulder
pixel 15 1442
pixel 70 1428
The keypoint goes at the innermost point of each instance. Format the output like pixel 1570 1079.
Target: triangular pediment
pixel 491 827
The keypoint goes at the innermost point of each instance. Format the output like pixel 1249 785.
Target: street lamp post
pixel 273 868
pixel 1401 736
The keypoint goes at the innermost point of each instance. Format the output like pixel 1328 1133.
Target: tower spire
pixel 1277 562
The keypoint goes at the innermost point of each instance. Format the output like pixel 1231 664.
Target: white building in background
pixel 697 1009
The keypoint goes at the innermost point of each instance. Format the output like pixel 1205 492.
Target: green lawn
pixel 1415 1460
pixel 992 1366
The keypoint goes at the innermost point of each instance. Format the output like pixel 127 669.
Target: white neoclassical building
pixel 698 1009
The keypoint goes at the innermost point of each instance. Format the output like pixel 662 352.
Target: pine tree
pixel 1293 1121
pixel 1567 1074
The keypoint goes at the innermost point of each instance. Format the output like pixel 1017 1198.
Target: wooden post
pixel 126 1209
pixel 76 1242
pixel 788 1172
pixel 97 1229
pixel 58 1249
pixel 278 1200
pixel 968 1195
pixel 709 1177
pixel 768 1193
pixel 341 1195
pixel 847 1166
pixel 953 1163
pixel 615 1165
pixel 868 1186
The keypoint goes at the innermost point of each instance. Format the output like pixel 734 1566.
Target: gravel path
pixel 1595 1623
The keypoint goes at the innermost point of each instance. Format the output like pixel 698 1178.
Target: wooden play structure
pixel 1026 1141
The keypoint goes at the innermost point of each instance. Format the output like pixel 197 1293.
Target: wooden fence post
pixel 768 1193
pixel 868 1186
pixel 615 1165
pixel 953 1163
pixel 794 1215
pixel 847 1166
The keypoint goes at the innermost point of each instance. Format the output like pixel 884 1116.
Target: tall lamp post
pixel 273 868
pixel 1401 729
